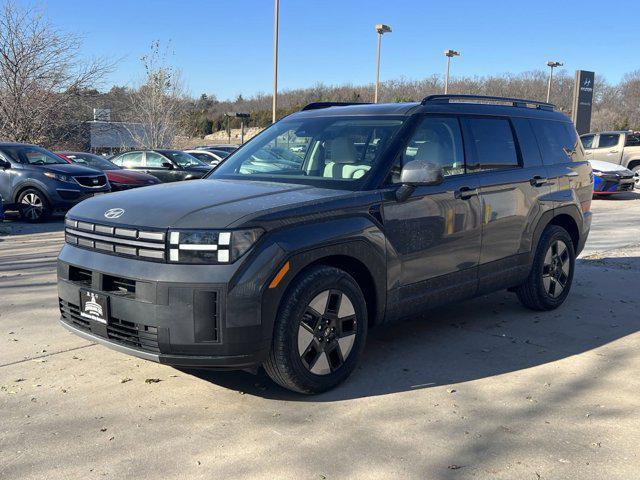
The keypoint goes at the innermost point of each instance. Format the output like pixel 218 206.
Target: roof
pixel 409 108
pixel 16 144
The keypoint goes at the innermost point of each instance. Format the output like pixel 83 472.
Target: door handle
pixel 613 151
pixel 465 193
pixel 538 181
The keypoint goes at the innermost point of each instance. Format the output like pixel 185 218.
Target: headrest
pixel 343 150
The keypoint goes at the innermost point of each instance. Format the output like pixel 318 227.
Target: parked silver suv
pixel 619 147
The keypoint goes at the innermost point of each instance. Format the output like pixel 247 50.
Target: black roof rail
pixel 319 105
pixel 516 102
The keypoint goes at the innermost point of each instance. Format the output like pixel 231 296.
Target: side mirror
pixel 167 165
pixel 416 173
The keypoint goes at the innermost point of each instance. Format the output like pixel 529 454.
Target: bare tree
pixel 158 103
pixel 41 74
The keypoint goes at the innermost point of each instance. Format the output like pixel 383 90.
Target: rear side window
pixel 608 140
pixel 493 141
pixel 559 142
pixel 133 159
pixel 527 140
pixel 632 141
pixel 587 141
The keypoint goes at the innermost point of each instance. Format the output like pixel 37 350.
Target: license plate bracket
pixel 94 306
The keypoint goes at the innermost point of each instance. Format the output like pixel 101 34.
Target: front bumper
pixel 183 315
pixel 607 184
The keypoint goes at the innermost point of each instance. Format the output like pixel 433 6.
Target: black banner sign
pixel 583 100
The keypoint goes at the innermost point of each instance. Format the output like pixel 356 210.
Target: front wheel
pixel 319 333
pixel 33 206
pixel 636 176
pixel 551 274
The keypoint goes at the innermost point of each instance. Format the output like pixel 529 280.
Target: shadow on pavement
pixel 484 337
pixel 16 226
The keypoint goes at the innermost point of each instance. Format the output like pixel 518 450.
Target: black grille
pixel 130 334
pixel 119 285
pixel 122 241
pixel 93 181
pixel 80 275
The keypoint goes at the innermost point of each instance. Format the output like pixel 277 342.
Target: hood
pixel 607 166
pixel 71 169
pixel 130 177
pixel 198 203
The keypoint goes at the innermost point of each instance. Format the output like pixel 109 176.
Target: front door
pixel 434 236
pixel 5 181
pixel 156 166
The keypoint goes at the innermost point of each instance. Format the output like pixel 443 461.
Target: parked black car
pixel 166 165
pixel 38 182
pixel 389 210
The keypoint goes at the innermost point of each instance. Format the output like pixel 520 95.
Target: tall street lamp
pixel 381 29
pixel 551 64
pixel 449 54
pixel 275 61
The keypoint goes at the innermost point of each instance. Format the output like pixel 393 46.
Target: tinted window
pixel 437 140
pixel 493 141
pixel 558 141
pixel 33 155
pixel 527 140
pixel 91 161
pixel 632 141
pixel 608 140
pixel 155 160
pixel 129 160
pixel 587 141
pixel 183 159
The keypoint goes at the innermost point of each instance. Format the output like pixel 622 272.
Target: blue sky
pixel 224 47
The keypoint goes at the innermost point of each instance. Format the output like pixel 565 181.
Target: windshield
pixel 34 155
pixel 183 159
pixel 334 151
pixel 91 160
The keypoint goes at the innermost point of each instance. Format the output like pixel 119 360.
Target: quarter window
pixel 494 145
pixel 608 140
pixel 558 141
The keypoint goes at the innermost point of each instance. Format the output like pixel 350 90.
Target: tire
pixel 311 363
pixel 636 176
pixel 551 275
pixel 34 206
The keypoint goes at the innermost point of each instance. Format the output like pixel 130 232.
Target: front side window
pixel 558 141
pixel 34 156
pixel 332 151
pixel 437 140
pixel 587 141
pixel 632 140
pixel 493 141
pixel 183 159
pixel 155 160
pixel 608 140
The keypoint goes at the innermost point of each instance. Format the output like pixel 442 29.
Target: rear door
pixel 513 183
pixel 609 148
pixel 435 234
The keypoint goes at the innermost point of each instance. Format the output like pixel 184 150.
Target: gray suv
pixel 333 220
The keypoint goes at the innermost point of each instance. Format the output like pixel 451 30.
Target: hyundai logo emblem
pixel 114 213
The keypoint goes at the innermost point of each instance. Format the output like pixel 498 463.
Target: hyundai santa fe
pixel 333 220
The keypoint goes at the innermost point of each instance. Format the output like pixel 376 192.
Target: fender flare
pixel 547 218
pixel 31 183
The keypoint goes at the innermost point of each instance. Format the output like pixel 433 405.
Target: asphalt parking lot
pixel 483 389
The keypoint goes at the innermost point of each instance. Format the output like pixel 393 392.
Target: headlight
pixel 59 177
pixel 597 173
pixel 210 246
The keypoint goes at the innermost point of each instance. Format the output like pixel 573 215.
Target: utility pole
pixel 381 29
pixel 449 54
pixel 275 60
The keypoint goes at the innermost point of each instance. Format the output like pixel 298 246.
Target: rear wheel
pixel 319 333
pixel 33 206
pixel 551 274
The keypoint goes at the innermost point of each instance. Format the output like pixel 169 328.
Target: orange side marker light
pixel 279 276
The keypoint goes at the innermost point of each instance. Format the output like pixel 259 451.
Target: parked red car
pixel 119 178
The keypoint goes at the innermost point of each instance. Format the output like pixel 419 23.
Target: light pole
pixel 381 29
pixel 275 60
pixel 551 64
pixel 449 54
